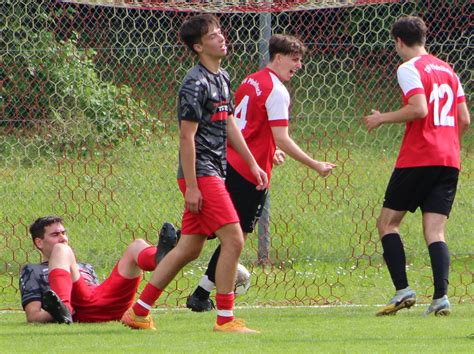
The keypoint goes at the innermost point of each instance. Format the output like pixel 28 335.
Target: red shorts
pixel 217 208
pixel 105 302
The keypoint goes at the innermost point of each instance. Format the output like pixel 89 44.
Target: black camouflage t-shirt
pixel 205 98
pixel 34 280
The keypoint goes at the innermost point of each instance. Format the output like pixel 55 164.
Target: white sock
pixel 206 284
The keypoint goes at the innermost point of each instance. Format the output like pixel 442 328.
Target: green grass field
pixel 324 244
pixel 283 330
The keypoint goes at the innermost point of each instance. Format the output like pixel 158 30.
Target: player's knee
pixel 234 244
pixel 384 227
pixel 138 244
pixel 61 248
pixel 62 253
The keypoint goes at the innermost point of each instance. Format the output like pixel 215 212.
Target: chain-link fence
pixel 88 131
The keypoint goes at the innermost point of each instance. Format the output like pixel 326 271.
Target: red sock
pixel 146 259
pixel 146 300
pixel 225 306
pixel 60 282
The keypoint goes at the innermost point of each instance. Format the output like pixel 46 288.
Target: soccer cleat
pixel 198 305
pixel 133 321
pixel 56 308
pixel 404 298
pixel 235 326
pixel 166 241
pixel 440 307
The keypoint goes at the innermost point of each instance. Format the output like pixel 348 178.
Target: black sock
pixel 394 255
pixel 200 292
pixel 439 255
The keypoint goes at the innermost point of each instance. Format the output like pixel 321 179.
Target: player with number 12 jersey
pixel 433 141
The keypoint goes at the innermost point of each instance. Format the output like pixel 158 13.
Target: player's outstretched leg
pixel 404 298
pixel 168 238
pixel 53 304
pixel 440 307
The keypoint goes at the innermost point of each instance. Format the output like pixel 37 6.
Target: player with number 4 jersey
pixel 263 102
pixel 427 169
pixel 262 113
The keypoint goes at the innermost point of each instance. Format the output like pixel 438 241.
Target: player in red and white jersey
pixel 62 290
pixel 437 83
pixel 262 114
pixel 262 103
pixel 427 169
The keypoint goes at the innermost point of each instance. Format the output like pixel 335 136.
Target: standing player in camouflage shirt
pixel 207 124
pixel 60 289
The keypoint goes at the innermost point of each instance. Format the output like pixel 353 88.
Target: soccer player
pixel 205 113
pixel 426 171
pixel 262 113
pixel 62 290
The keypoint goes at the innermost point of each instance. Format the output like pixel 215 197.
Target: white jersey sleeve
pixel 460 92
pixel 278 101
pixel 408 77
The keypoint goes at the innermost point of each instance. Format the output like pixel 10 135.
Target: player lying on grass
pixel 427 169
pixel 262 114
pixel 62 290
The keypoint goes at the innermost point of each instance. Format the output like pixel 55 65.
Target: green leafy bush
pixel 52 89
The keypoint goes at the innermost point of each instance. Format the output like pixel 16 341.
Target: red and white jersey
pixel 262 102
pixel 433 140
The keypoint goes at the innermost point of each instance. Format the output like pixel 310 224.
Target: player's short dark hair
pixel 37 228
pixel 286 45
pixel 194 28
pixel 411 30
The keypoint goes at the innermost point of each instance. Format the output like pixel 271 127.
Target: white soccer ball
pixel 242 280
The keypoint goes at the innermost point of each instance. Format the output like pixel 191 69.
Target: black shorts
pixel 432 188
pixel 248 201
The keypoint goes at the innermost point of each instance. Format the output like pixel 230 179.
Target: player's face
pixel 213 43
pixel 53 234
pixel 289 65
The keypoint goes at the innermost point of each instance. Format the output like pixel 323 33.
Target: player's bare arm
pixel 415 109
pixel 288 145
pixel 464 119
pixel 35 314
pixel 237 141
pixel 193 198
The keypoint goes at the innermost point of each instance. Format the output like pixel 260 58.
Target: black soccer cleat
pixel 198 305
pixel 167 239
pixel 56 308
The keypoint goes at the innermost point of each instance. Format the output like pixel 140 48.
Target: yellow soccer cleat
pixel 235 326
pixel 133 321
pixel 403 299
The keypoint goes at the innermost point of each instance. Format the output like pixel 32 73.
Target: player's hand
pixel 279 157
pixel 324 168
pixel 193 199
pixel 261 176
pixel 373 120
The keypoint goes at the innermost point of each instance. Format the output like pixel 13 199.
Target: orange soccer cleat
pixel 235 326
pixel 133 321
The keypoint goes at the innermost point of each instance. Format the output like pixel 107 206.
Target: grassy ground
pixel 288 330
pixel 324 245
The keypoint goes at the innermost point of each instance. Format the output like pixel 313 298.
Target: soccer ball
pixel 242 280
